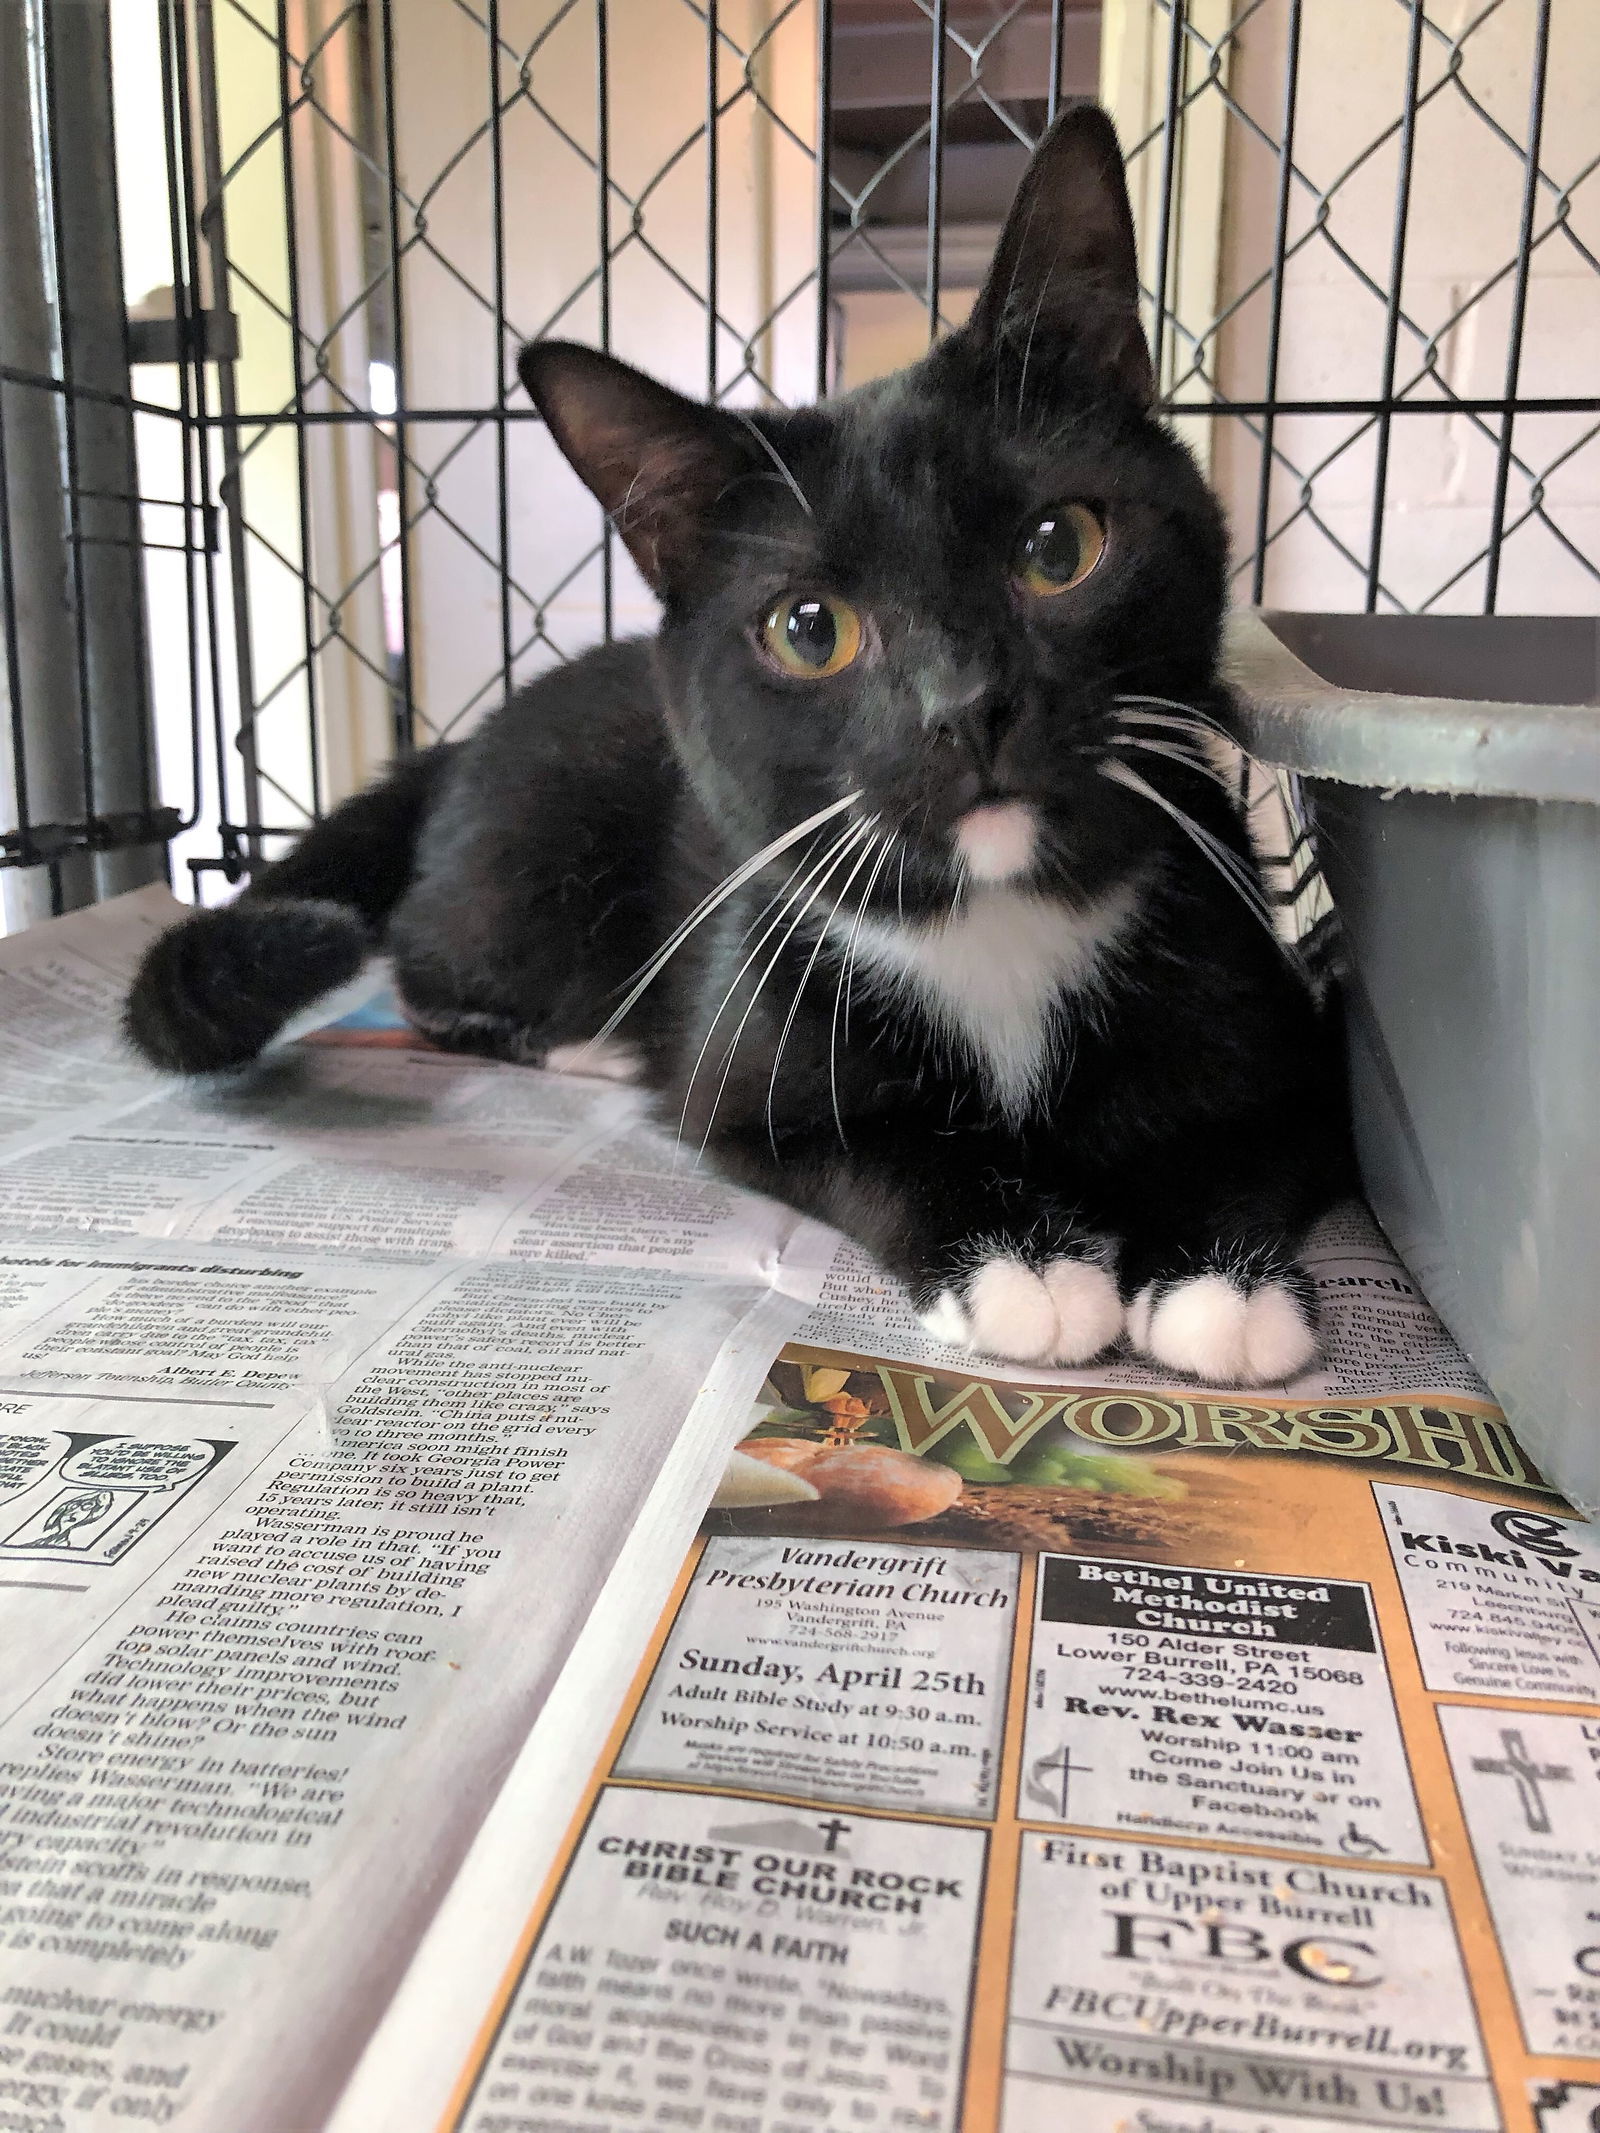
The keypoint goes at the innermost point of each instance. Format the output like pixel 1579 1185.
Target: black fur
pixel 214 990
pixel 1192 1116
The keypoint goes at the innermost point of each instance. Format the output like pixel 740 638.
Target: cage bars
pixel 78 789
pixel 971 80
pixel 241 846
pixel 297 340
pixel 602 157
pixel 936 119
pixel 497 209
pixel 1162 282
pixel 1391 322
pixel 194 440
pixel 1519 307
pixel 66 329
pixel 43 772
pixel 1280 239
pixel 712 197
pixel 405 706
pixel 823 194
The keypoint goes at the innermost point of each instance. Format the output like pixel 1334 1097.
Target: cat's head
pixel 933 590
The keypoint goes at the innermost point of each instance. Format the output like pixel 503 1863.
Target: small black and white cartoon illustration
pixel 70 1514
pixel 89 1494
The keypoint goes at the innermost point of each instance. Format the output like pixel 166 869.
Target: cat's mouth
pixel 998 840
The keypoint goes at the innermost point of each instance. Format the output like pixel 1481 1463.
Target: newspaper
pixel 502 1631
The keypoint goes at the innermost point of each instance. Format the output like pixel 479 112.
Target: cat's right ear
pixel 1066 267
pixel 655 462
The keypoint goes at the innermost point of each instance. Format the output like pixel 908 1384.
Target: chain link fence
pixel 290 515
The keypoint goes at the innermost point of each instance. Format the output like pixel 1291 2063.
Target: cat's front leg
pixel 1048 1297
pixel 997 1260
pixel 1228 1316
pixel 1210 1265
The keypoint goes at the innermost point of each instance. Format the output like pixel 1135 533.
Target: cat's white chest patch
pixel 993 975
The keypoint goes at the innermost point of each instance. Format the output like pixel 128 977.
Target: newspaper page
pixel 1125 1761
pixel 356 1417
pixel 328 1396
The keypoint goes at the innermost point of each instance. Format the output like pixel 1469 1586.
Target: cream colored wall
pixel 1466 202
pixel 348 463
pixel 247 95
pixel 1135 40
pixel 657 83
pixel 147 265
pixel 766 225
pixel 882 330
pixel 352 716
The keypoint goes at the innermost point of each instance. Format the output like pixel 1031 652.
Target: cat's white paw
pixel 945 1320
pixel 599 1058
pixel 1065 1312
pixel 1010 1311
pixel 1209 1327
pixel 1088 1308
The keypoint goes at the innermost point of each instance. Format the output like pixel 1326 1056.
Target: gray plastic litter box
pixel 1453 767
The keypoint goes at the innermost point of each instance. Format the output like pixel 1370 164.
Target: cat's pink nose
pixel 998 840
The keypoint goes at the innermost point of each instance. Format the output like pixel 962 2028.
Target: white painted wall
pixel 352 726
pixel 766 237
pixel 1466 204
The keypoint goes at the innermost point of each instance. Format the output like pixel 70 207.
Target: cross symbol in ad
pixel 1531 1777
pixel 1061 1767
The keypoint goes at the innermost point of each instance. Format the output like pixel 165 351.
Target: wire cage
pixel 272 507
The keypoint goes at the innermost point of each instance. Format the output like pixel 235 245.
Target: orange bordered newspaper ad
pixel 1120 1762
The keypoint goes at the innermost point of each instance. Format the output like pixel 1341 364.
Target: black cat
pixel 951 931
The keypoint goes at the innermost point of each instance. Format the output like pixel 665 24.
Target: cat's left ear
pixel 654 461
pixel 1066 267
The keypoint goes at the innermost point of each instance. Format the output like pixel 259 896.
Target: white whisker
pixel 743 535
pixel 1227 863
pixel 805 979
pixel 1227 761
pixel 855 931
pixel 841 991
pixel 777 953
pixel 650 971
pixel 1027 350
pixel 1173 755
pixel 779 462
pixel 1217 745
pixel 1165 703
pixel 791 891
pixel 1171 703
pixel 1166 722
pixel 789 880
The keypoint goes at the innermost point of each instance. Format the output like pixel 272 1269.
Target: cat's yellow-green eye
pixel 812 636
pixel 1060 551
